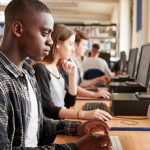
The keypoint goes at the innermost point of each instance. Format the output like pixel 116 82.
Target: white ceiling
pixel 82 11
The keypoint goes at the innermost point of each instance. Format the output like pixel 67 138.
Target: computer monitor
pixel 132 62
pixel 106 57
pixel 143 67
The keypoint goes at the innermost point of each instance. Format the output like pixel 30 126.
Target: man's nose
pixel 49 41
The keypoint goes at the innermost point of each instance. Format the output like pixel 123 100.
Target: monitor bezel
pixel 146 84
pixel 135 59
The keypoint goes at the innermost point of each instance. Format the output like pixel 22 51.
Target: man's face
pixel 36 39
pixel 80 48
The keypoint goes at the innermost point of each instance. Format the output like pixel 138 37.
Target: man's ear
pixel 17 28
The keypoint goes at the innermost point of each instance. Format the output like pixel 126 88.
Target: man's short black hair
pixel 17 9
pixel 96 46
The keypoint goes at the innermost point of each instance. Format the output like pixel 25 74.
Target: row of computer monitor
pixel 143 70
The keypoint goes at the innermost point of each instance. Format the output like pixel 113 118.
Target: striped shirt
pixel 15 108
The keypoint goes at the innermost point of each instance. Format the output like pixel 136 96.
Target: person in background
pixel 58 92
pixel 95 62
pixel 81 41
pixel 22 123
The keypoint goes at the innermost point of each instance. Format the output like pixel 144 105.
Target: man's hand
pixel 104 78
pixel 92 126
pixel 94 142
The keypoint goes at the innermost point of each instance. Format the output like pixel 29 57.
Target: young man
pixel 28 28
pixel 81 42
pixel 95 62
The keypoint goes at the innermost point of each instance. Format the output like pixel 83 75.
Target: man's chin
pixel 37 58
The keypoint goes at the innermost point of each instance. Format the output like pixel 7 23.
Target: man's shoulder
pixel 6 77
pixel 3 71
pixel 88 59
pixel 102 60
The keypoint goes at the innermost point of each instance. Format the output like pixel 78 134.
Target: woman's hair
pixel 80 35
pixel 60 33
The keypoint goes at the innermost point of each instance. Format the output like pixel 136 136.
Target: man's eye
pixel 45 34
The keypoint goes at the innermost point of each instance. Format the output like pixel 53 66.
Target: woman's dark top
pixel 43 79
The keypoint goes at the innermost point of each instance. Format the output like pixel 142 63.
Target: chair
pixel 93 73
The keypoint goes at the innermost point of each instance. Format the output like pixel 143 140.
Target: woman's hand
pixel 104 78
pixel 95 114
pixel 102 93
pixel 69 67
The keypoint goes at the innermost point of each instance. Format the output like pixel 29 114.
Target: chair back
pixel 93 73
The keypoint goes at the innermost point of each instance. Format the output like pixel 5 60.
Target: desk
pixel 130 140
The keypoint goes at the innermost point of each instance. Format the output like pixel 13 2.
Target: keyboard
pixel 131 83
pixel 123 76
pixel 95 105
pixel 102 84
pixel 143 95
pixel 116 145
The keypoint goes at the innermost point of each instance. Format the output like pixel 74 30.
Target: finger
pixel 104 140
pixel 105 96
pixel 102 123
pixel 70 65
pixel 108 115
pixel 105 143
pixel 105 128
pixel 102 117
pixel 64 62
pixel 107 93
pixel 104 91
pixel 98 125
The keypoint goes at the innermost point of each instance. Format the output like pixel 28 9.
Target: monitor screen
pixel 132 62
pixel 143 67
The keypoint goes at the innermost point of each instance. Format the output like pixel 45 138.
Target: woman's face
pixel 66 48
pixel 81 48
